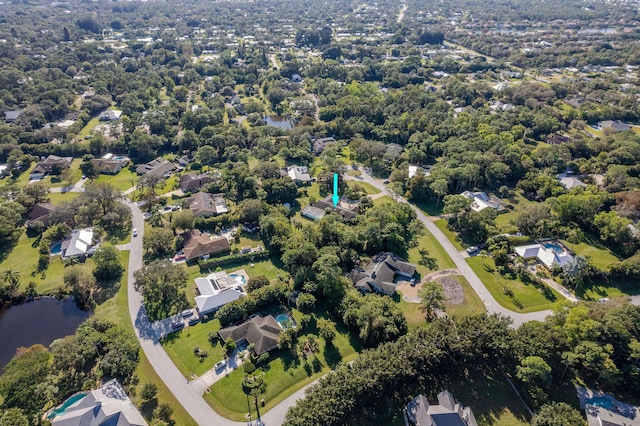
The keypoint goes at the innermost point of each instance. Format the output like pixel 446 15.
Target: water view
pixel 278 121
pixel 41 321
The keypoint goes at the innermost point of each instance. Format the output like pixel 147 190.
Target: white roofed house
pixel 216 290
pixel 550 254
pixel 481 201
pixel 78 243
pixel 299 174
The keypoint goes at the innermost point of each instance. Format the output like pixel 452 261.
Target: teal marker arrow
pixel 335 197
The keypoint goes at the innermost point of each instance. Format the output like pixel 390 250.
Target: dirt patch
pixel 451 286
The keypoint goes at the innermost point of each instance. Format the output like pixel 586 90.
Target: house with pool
pixel 260 331
pixel 219 288
pixel 107 405
pixel 550 253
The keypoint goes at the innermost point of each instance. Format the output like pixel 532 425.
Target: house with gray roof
pixel 49 165
pixel 216 290
pixel 262 332
pixel 192 181
pixel 78 243
pixel 448 412
pixel 381 273
pixel 617 125
pixel 299 174
pixel 203 204
pixel 157 167
pixel 11 116
pixel 108 405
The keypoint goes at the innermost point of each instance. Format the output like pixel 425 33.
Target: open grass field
pixel 525 298
pixel 437 258
pixel 124 180
pixel 452 236
pixel 594 250
pixel 284 374
pixel 56 198
pixel 367 187
pixel 382 200
pixel 86 130
pixel 23 258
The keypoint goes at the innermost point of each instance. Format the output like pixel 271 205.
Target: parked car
pixel 386 181
pixel 177 325
pixel 179 257
pixel 146 215
pixel 472 249
pixel 220 364
pixel 413 282
pixel 194 321
pixel 187 313
pixel 135 232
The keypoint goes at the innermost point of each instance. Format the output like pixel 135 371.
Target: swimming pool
pixel 285 320
pixel 554 246
pixel 600 401
pixel 119 157
pixel 240 279
pixel 68 403
pixel 56 247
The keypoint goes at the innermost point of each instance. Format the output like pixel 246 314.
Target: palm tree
pixel 11 277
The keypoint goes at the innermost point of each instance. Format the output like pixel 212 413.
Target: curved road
pixel 493 307
pixel 187 395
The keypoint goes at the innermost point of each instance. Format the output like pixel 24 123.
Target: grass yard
pixel 490 397
pixel 430 207
pixel 179 346
pixel 124 180
pixel 56 198
pixel 23 258
pixel 116 309
pixel 283 376
pixel 505 221
pixel 452 236
pixel 609 289
pixel 367 187
pixel 383 200
pixel 86 130
pixel 592 249
pixel 525 298
pixel 76 175
pixel 437 255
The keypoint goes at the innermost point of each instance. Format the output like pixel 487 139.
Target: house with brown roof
pixel 202 245
pixel 380 274
pixel 192 181
pixel 50 164
pixel 203 204
pixel 109 165
pixel 262 332
pixel 39 213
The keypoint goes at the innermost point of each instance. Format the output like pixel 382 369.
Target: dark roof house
pixel 346 208
pixel 260 331
pixel 11 116
pixel 448 412
pixel 379 275
pixel 320 144
pixel 48 164
pixel 203 204
pixel 157 167
pixel 39 212
pixel 191 181
pixel 198 244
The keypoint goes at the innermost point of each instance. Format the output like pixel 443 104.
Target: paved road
pixel 490 303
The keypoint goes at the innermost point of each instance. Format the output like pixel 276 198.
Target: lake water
pixel 278 121
pixel 41 321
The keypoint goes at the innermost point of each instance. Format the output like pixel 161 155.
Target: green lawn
pixel 116 309
pixel 76 175
pixel 23 258
pixel 283 376
pixel 56 198
pixel 506 221
pixel 526 298
pixel 436 253
pixel 592 249
pixel 86 130
pixel 598 290
pixel 124 180
pixel 452 236
pixel 382 200
pixel 179 346
pixel 430 207
pixel 367 187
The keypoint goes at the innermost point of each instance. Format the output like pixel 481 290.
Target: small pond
pixel 41 321
pixel 278 121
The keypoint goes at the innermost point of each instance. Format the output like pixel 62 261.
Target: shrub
pixel 249 367
pixel 232 258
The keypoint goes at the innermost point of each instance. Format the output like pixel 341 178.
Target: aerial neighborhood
pixel 320 213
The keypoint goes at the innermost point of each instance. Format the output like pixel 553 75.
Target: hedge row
pixel 245 306
pixel 232 258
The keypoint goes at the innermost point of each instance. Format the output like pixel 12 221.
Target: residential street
pixel 189 396
pixel 489 302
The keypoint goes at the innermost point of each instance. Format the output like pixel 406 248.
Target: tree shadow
pixel 332 355
pixel 307 368
pixel 147 408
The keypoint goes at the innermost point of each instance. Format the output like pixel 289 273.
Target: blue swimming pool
pixel 285 320
pixel 554 246
pixel 56 247
pixel 600 401
pixel 68 403
pixel 240 279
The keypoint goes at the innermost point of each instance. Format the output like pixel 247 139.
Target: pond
pixel 278 121
pixel 41 321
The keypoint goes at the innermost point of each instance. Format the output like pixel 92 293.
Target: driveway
pixel 493 307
